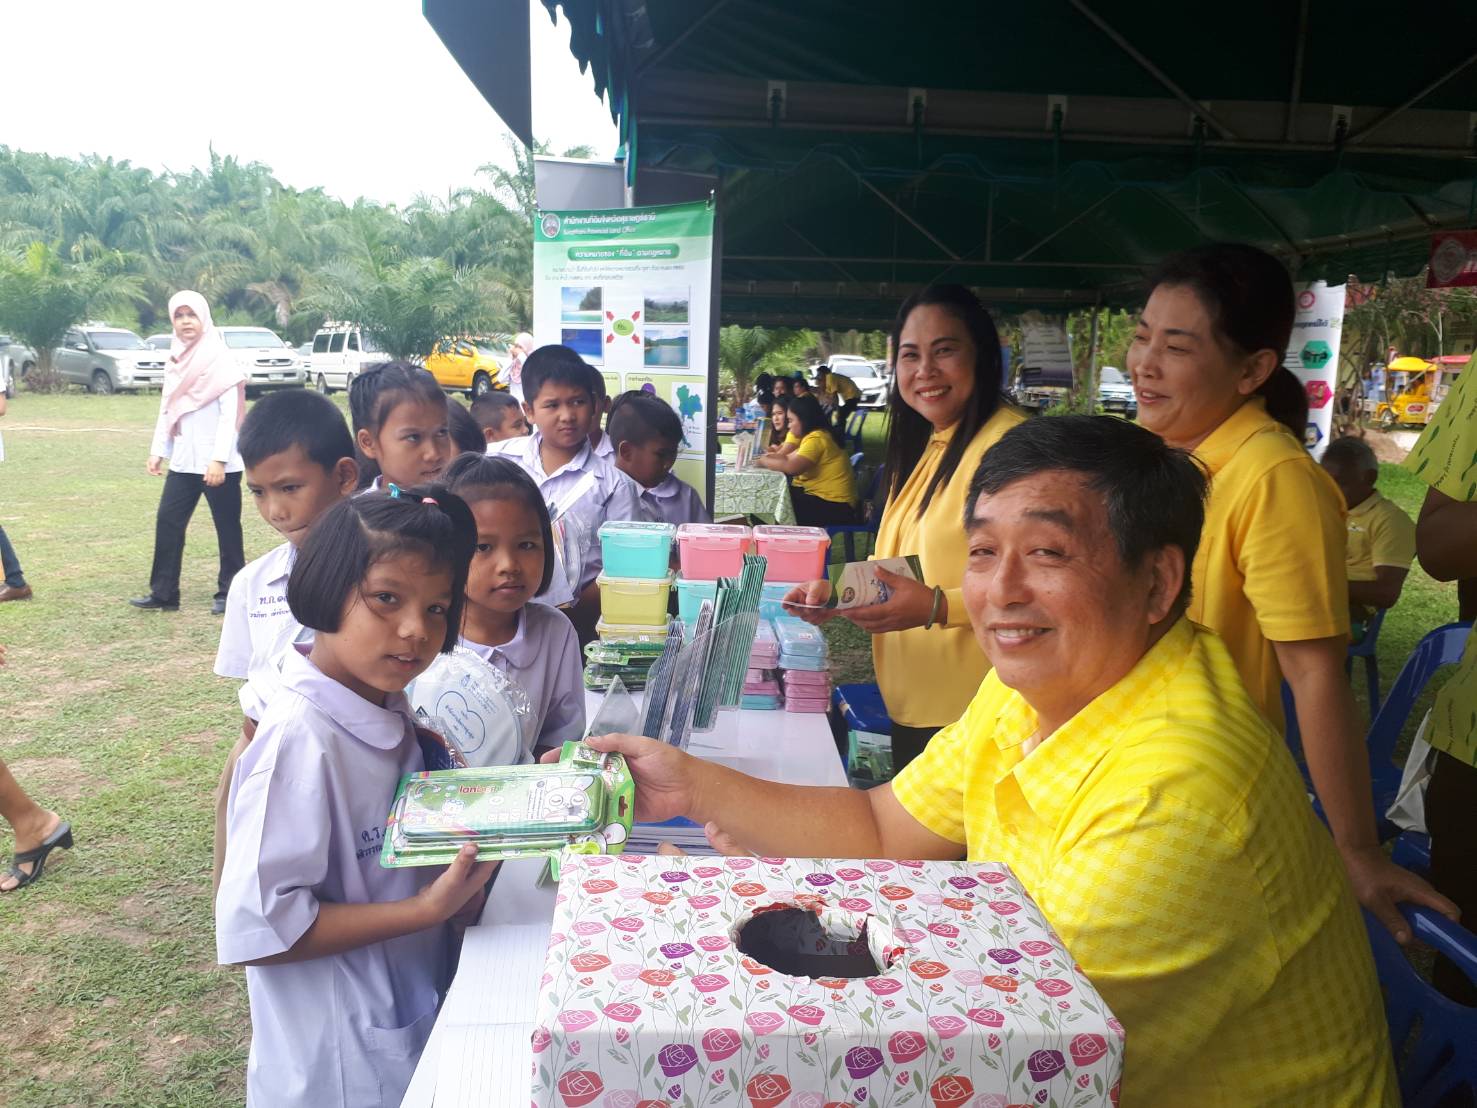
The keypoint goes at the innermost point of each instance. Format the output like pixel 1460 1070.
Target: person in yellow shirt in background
pixel 1381 536
pixel 1269 577
pixel 1114 761
pixel 823 484
pixel 945 411
pixel 1446 540
pixel 838 394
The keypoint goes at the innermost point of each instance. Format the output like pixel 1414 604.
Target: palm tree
pixel 740 350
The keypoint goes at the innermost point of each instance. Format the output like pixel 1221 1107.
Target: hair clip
pixel 393 489
pixel 429 500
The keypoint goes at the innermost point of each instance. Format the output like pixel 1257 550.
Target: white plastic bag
pixel 474 704
pixel 1408 812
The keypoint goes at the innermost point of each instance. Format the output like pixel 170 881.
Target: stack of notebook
pixel 805 668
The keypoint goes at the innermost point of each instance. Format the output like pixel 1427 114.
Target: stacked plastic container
pixel 762 689
pixel 707 551
pixel 805 667
pixel 635 589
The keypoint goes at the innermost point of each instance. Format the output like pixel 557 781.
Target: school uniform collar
pixel 519 651
pixel 382 728
pixel 1050 777
pixel 669 487
pixel 578 464
pixel 1222 443
pixel 281 564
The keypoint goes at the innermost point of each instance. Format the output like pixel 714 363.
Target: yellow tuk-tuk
pixel 1415 388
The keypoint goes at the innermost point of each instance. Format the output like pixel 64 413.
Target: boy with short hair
pixel 581 488
pixel 466 435
pixel 299 459
pixel 600 440
pixel 647 434
pixel 1381 536
pixel 500 416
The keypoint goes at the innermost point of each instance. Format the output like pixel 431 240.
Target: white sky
pixel 358 96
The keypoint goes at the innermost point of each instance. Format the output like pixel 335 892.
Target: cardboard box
pixel 757 982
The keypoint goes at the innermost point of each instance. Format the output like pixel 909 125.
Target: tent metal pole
pixel 1296 95
pixel 922 230
pixel 1153 70
pixel 1380 121
pixel 1083 214
pixel 663 52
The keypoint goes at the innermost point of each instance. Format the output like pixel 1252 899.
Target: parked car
pixel 108 359
pixel 863 374
pixel 469 365
pixel 16 360
pixel 340 353
pixel 160 341
pixel 1115 394
pixel 268 361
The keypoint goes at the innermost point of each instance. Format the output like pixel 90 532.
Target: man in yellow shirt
pixel 1114 760
pixel 838 394
pixel 1381 536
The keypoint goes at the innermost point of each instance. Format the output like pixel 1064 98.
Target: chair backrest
pixel 1432 1036
pixel 1441 647
pixel 854 424
pixel 856 460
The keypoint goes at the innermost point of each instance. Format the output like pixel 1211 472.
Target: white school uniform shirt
pixel 258 627
pixel 543 658
pixel 605 448
pixel 205 435
pixel 584 492
pixel 674 501
pixel 306 817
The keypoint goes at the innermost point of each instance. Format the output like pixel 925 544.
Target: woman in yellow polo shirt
pixel 824 484
pixel 945 410
pixel 1269 577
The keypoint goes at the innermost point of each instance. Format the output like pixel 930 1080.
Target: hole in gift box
pixel 801 942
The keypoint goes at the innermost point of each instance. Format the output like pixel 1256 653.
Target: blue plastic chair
pixel 1434 1039
pixel 849 531
pixel 854 424
pixel 1441 647
pixel 1365 649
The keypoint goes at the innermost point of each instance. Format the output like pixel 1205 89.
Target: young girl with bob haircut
pixel 345 960
pixel 402 425
pixel 534 645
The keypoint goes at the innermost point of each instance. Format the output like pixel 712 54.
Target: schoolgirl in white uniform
pixel 534 645
pixel 345 959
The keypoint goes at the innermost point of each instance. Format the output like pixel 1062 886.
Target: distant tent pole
pixel 1097 310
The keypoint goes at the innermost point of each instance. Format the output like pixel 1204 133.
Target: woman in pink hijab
pixel 200 412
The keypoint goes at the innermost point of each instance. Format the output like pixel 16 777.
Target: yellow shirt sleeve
pixel 931 787
pixel 1292 544
pixel 1391 538
pixel 1194 941
pixel 1445 457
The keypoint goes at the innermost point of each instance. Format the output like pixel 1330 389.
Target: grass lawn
pixel 110 991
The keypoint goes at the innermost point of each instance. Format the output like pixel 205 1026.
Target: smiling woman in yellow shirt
pixel 1269 577
pixel 945 411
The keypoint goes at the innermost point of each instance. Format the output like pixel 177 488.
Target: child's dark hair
pixel 295 417
pixel 807 411
pixel 466 434
pixel 374 395
pixel 597 384
pixel 491 408
pixel 475 477
pixel 559 364
pixel 638 417
pixel 357 533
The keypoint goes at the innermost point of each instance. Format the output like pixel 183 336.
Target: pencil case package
pixel 581 803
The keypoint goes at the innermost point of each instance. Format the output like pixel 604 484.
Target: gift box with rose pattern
pixel 698 982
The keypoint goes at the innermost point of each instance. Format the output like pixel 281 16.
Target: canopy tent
pixel 1046 154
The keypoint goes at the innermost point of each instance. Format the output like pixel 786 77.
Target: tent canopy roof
pixel 1047 154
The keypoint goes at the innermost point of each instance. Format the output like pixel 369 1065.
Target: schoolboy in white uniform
pixel 647 434
pixel 299 459
pixel 581 489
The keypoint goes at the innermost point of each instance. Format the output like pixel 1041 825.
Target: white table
pixel 486 1020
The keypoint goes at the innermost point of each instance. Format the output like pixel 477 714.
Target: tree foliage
pixel 41 296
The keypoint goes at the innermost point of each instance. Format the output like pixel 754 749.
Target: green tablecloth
pixel 753 492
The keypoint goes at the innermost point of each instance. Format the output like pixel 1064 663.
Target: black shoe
pixel 218 606
pixel 153 604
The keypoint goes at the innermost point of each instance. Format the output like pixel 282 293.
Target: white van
pixel 340 353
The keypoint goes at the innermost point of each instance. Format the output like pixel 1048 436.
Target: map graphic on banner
pixel 1314 355
pixel 629 290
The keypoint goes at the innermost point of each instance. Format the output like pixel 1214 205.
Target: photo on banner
pixel 1314 355
pixel 629 290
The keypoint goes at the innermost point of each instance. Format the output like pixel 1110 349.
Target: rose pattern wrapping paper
pixel 646 1001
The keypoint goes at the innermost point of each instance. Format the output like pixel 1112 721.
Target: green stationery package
pixel 583 803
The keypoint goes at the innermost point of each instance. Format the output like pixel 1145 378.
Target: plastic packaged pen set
pixel 582 803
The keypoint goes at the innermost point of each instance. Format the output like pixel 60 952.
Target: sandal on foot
pixel 61 837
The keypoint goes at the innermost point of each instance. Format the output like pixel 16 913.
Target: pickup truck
pixel 108 359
